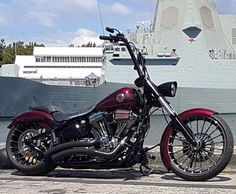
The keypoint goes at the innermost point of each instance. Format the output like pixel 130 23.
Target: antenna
pixel 155 16
pixel 100 17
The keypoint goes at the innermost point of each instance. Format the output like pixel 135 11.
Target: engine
pixel 112 126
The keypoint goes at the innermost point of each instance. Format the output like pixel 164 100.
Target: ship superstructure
pixel 204 41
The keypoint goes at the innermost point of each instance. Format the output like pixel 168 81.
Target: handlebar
pixel 116 38
pixel 120 37
pixel 106 38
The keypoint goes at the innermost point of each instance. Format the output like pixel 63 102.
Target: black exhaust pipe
pixel 66 146
pixel 87 151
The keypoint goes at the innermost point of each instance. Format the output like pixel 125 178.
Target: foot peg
pixel 152 157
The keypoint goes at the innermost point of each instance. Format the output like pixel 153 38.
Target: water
pixel 158 125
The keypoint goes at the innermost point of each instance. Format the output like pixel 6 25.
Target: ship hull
pixel 18 94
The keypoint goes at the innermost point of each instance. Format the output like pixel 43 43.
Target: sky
pixel 65 22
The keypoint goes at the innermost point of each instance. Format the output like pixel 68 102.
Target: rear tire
pixel 23 158
pixel 209 158
pixel 5 163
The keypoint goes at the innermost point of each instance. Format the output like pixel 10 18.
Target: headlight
pixel 173 89
pixel 168 89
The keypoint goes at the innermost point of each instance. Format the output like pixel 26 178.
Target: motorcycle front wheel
pixel 28 159
pixel 209 157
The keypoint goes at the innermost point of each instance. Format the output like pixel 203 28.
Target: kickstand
pixel 144 168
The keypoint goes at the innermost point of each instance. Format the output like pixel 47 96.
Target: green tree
pixel 89 44
pixel 8 53
pixel 2 48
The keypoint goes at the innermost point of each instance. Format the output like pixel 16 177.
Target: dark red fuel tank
pixel 123 98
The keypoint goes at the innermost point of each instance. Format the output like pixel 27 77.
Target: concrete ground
pixel 63 181
pixel 114 181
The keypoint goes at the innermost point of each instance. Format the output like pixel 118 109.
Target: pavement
pixel 118 181
pixel 62 181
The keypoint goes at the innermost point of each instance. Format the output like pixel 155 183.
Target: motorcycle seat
pixel 48 109
pixel 61 116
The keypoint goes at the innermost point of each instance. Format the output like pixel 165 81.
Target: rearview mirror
pixel 108 29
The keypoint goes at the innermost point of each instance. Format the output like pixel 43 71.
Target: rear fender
pixel 42 118
pixel 168 131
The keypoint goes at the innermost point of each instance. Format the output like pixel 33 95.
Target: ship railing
pixel 222 54
pixel 69 82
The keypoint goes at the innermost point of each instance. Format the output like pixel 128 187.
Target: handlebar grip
pixel 106 38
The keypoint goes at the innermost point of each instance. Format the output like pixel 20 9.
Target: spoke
pixel 200 159
pixel 178 139
pixel 209 156
pixel 209 152
pixel 197 127
pixel 191 161
pixel 213 138
pixel 176 145
pixel 210 134
pixel 214 148
pixel 190 123
pixel 183 155
pixel 216 143
pixel 180 135
pixel 190 152
pixel 181 150
pixel 203 125
pixel 195 161
pixel 207 130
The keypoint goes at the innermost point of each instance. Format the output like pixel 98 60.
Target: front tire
pixel 26 158
pixel 209 158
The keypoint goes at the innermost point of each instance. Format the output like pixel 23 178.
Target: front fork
pixel 178 123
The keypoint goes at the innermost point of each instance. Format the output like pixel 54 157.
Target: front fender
pixel 168 131
pixel 45 119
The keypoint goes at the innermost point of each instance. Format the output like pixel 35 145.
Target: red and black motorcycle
pixel 196 145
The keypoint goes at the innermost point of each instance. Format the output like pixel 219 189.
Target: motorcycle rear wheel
pixel 25 159
pixel 209 158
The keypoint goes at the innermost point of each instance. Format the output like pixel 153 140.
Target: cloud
pixel 83 36
pixel 54 23
pixel 46 19
pixel 61 38
pixel 119 8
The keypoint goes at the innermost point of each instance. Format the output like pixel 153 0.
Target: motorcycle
pixel 196 144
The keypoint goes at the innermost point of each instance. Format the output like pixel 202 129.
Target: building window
pixel 60 67
pixel 29 72
pixel 37 59
pixel 117 49
pixel 233 35
pixel 50 59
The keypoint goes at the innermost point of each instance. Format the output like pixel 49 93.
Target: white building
pixel 61 65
